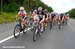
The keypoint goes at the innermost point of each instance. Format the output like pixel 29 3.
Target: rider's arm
pixel 43 17
pixel 17 15
pixel 47 16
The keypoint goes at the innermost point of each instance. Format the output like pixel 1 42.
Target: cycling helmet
pixel 57 14
pixel 45 10
pixel 35 11
pixel 40 8
pixel 52 12
pixel 21 8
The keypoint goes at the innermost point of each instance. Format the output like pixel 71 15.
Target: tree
pixel 72 13
pixel 1 4
pixel 13 5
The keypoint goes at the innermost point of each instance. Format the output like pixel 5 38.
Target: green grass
pixel 7 17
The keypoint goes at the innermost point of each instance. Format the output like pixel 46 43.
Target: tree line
pixel 13 5
pixel 71 13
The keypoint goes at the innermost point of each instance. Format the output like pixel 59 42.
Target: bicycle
pixel 59 23
pixel 18 28
pixel 36 32
pixel 50 23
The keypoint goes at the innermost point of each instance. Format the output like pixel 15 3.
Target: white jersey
pixel 36 17
pixel 24 13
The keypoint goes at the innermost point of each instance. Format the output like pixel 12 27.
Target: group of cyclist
pixel 42 16
pixel 62 18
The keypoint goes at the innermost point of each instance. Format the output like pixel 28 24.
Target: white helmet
pixel 45 9
pixel 21 8
pixel 35 11
pixel 39 8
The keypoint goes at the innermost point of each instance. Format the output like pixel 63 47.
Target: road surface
pixel 50 39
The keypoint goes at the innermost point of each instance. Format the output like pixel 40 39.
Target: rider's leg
pixel 25 24
pixel 54 20
pixel 42 24
pixel 46 21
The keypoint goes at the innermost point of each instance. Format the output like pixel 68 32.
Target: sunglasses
pixel 21 10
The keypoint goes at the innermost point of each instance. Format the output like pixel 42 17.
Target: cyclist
pixel 53 17
pixel 66 17
pixel 35 16
pixel 46 16
pixel 38 15
pixel 24 17
pixel 50 17
pixel 61 17
pixel 41 16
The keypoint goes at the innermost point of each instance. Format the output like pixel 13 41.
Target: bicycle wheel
pixel 17 30
pixel 35 35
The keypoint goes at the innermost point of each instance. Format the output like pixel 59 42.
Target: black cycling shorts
pixel 52 17
pixel 61 17
pixel 45 15
pixel 40 19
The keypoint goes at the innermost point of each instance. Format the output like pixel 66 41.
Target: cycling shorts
pixel 40 19
pixel 45 15
pixel 52 17
pixel 25 19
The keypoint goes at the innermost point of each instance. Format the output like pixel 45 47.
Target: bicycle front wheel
pixel 17 30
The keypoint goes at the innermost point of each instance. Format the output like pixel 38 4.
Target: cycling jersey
pixel 35 16
pixel 24 15
pixel 61 16
pixel 49 15
pixel 40 15
pixel 52 16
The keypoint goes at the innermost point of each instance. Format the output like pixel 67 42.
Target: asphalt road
pixel 50 39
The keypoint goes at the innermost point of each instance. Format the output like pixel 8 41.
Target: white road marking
pixel 13 47
pixel 6 39
pixel 11 37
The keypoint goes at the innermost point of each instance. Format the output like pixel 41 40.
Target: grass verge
pixel 7 17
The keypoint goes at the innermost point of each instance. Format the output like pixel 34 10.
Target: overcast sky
pixel 60 5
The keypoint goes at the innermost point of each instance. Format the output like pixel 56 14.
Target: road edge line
pixel 1 41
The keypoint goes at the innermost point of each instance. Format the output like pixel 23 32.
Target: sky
pixel 60 6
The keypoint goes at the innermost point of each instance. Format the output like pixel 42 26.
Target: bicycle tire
pixel 18 27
